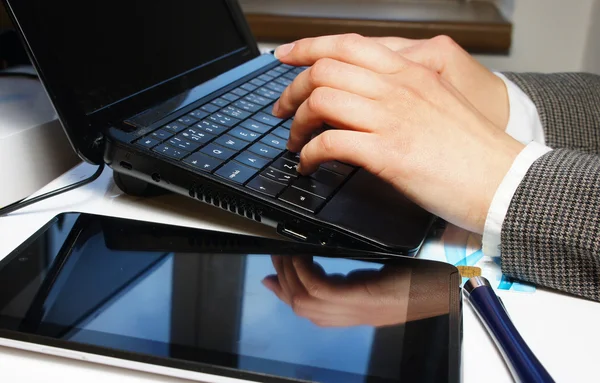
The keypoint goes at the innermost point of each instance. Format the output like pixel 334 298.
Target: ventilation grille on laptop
pixel 239 206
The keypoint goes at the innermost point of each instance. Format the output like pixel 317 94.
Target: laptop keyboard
pixel 236 137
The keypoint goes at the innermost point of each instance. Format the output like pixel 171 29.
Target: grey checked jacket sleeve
pixel 551 233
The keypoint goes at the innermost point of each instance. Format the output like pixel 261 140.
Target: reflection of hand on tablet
pixel 366 297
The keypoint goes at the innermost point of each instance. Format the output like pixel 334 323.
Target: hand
pixel 398 120
pixel 367 297
pixel 486 91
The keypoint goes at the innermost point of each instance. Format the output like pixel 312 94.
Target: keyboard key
pixel 249 87
pixel 148 142
pixel 230 97
pixel 287 67
pixel 170 151
pixel 294 157
pixel 281 69
pixel 282 132
pixel 236 172
pixel 338 167
pixel 217 151
pixel 265 77
pixel 247 106
pixel 257 82
pixel 195 135
pixel 328 178
pixel 274 141
pixel 244 134
pixel 278 176
pixel 264 150
pixel 220 102
pixel 162 134
pixel 210 108
pixel 313 186
pixel 210 127
pixel 283 81
pixel 265 186
pixel 256 126
pixel 181 143
pixel 286 166
pixel 223 119
pixel 240 92
pixel 288 124
pixel 252 160
pixel 275 87
pixel 203 162
pixel 273 73
pixel 187 120
pixel 175 127
pixel 264 92
pixel 199 114
pixel 290 76
pixel 235 112
pixel 267 119
pixel 299 70
pixel 302 199
pixel 227 141
pixel 256 99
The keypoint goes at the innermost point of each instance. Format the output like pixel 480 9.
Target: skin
pixel 422 115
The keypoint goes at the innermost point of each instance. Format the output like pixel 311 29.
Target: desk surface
pixel 560 329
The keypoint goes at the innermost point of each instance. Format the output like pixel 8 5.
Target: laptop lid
pixel 102 61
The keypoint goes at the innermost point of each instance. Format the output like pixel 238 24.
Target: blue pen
pixel 521 361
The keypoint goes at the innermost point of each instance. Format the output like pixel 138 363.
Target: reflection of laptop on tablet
pixel 190 303
pixel 176 93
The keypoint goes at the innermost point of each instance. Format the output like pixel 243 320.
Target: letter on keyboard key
pixel 302 199
pixel 181 143
pixel 202 162
pixel 274 141
pixel 265 186
pixel 236 172
pixel 256 126
pixel 231 142
pixel 217 151
pixel 246 135
pixel 252 160
pixel 278 176
pixel 175 127
pixel 247 106
pixel 264 150
pixel 148 142
pixel 267 119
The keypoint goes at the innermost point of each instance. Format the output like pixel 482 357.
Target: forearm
pixel 551 233
pixel 568 105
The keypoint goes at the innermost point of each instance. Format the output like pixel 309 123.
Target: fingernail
pixel 299 168
pixel 283 50
pixel 276 108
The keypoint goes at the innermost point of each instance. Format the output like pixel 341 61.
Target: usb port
pixel 294 234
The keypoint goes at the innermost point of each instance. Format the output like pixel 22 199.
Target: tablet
pixel 217 307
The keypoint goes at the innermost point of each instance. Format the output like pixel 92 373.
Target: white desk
pixel 561 330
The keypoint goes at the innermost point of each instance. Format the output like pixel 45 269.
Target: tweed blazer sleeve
pixel 551 233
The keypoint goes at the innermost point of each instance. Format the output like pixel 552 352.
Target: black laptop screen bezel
pixel 85 131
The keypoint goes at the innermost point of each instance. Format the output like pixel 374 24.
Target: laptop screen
pixel 110 50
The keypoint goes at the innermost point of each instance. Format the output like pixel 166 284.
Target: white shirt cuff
pixel 501 201
pixel 524 123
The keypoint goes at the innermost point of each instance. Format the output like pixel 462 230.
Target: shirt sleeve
pixel 525 126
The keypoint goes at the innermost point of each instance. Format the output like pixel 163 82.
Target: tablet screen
pixel 191 300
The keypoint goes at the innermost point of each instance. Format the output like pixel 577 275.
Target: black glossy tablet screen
pixel 202 301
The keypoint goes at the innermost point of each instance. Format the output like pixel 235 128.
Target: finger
pixel 331 74
pixel 333 107
pixel 350 48
pixel 294 284
pixel 278 264
pixel 397 43
pixel 274 285
pixel 346 294
pixel 354 148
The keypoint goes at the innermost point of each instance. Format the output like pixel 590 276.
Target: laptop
pixel 177 94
